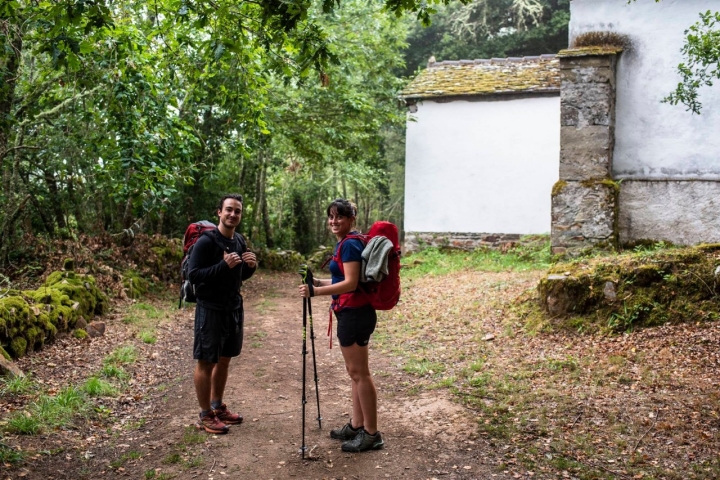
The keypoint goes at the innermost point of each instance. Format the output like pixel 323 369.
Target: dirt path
pixel 427 435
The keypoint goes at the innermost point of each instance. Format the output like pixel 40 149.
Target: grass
pixel 148 337
pixel 257 338
pixel 132 455
pixel 154 475
pixel 10 455
pixel 146 317
pixel 264 306
pixel 423 367
pixel 171 459
pixel 124 355
pixel 48 412
pixel 96 387
pixel 17 385
pixel 61 410
pixel 113 371
pixel 532 253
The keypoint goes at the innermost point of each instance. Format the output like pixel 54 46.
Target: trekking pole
pixel 304 355
pixel 312 343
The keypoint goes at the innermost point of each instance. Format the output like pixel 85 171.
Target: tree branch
pixel 58 107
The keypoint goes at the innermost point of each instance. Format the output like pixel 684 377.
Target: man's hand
pixel 250 259
pixel 232 259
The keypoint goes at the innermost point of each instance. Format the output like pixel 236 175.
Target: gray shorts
pixel 218 333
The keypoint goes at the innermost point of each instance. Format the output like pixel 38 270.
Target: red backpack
pixel 384 294
pixel 193 232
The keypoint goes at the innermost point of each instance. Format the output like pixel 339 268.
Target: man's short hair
pixel 234 196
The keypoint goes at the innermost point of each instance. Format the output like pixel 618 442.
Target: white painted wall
pixel 655 139
pixel 668 157
pixel 482 166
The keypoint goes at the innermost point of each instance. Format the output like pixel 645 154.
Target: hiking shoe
pixel 226 416
pixel 364 441
pixel 346 432
pixel 211 424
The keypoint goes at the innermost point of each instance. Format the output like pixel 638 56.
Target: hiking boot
pixel 346 432
pixel 211 424
pixel 226 416
pixel 364 441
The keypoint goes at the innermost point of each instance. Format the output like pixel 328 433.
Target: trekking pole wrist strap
pixel 312 289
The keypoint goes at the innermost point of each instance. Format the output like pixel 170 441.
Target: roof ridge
pixel 495 61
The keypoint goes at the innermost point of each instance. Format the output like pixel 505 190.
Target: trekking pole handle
pixel 307 278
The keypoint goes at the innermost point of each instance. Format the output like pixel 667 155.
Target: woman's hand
pixel 304 291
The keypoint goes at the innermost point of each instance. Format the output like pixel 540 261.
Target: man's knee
pixel 204 367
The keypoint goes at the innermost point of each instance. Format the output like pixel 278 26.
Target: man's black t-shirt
pixel 217 286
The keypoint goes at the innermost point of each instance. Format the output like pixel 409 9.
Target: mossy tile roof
pixel 495 76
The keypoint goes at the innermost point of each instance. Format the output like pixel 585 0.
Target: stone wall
pixel 584 200
pixel 464 241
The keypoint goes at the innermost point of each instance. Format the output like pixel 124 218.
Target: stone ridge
pixel 493 76
pixel 590 51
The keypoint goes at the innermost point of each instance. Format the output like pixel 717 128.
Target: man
pixel 218 264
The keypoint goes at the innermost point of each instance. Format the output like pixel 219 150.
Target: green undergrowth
pixel 646 286
pixel 530 253
pixel 144 317
pixel 47 410
pixel 279 260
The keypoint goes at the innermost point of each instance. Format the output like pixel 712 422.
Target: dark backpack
pixel 385 294
pixel 193 232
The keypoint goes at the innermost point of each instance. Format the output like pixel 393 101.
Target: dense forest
pixel 127 116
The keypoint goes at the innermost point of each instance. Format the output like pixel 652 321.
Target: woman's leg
pixel 357 420
pixel 363 388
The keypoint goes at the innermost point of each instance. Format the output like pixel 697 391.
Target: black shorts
pixel 218 333
pixel 355 325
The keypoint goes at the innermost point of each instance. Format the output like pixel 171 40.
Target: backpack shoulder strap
pixel 337 256
pixel 241 240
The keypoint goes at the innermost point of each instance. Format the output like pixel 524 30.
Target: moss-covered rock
pixel 80 334
pixel 5 354
pixel 282 260
pixel 81 289
pixel 18 346
pixel 639 288
pixel 320 257
pixel 30 318
pixel 135 285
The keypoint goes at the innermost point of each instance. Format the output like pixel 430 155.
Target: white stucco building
pixel 667 158
pixel 482 150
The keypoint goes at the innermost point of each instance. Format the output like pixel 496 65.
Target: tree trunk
pixel 9 66
pixel 265 216
pixel 75 202
pixel 254 228
pixel 366 220
pixel 161 220
pixel 6 231
pixel 127 215
pixel 52 187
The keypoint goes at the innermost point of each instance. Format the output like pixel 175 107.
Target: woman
pixel 356 321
